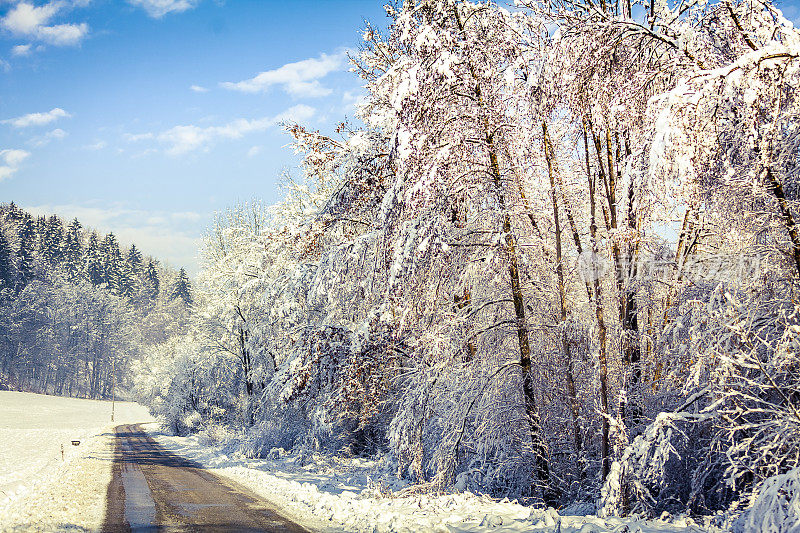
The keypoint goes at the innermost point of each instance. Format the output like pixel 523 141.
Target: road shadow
pixel 148 453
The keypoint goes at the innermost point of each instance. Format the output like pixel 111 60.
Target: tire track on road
pixel 154 490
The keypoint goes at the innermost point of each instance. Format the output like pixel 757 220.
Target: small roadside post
pixel 113 383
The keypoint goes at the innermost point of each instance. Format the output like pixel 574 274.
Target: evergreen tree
pixel 14 214
pixel 182 288
pixel 125 284
pixel 111 260
pixel 94 267
pixel 6 267
pixel 151 280
pixel 25 253
pixel 58 333
pixel 73 250
pixel 52 240
pixel 40 229
pixel 135 259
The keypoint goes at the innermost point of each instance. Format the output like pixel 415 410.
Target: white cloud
pixel 6 172
pixel 159 8
pixel 11 159
pixel 33 21
pixel 26 19
pixel 99 145
pixel 198 89
pixel 21 50
pixel 352 100
pixel 37 119
pixel 253 151
pixel 176 247
pixel 41 140
pixel 138 155
pixel 190 216
pixel 5 65
pixel 138 137
pixel 92 217
pixel 183 139
pixel 299 79
pixel 298 113
pixel 63 34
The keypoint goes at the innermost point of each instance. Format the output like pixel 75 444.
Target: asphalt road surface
pixel 154 490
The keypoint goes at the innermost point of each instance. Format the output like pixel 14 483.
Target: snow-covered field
pixel 38 489
pixel 354 495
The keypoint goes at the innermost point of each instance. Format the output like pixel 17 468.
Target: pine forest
pixel 554 257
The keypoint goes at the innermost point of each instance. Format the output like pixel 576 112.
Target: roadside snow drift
pixel 335 494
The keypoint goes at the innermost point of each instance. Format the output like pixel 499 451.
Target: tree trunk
pixel 565 344
pixel 632 354
pixel 601 325
pixel 95 377
pixel 465 303
pixel 47 373
pixel 786 213
pixel 542 472
pixel 248 374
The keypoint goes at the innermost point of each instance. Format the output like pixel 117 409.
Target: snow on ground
pixel 333 494
pixel 39 490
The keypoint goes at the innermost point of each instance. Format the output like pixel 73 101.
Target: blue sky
pixel 146 116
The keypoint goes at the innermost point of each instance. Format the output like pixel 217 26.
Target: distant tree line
pixel 76 307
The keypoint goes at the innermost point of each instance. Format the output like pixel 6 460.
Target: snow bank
pixel 777 508
pixel 336 494
pixel 38 489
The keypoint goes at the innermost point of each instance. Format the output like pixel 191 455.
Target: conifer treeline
pixel 76 307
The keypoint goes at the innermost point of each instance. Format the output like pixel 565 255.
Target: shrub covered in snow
pixel 777 507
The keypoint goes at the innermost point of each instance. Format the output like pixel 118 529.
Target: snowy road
pixel 154 490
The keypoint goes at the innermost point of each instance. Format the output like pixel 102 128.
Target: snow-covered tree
pixel 65 330
pixel 481 277
pixel 181 288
